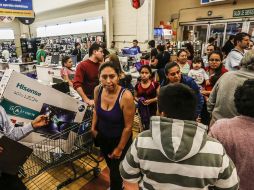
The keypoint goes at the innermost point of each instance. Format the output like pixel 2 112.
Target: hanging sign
pixel 243 12
pixel 17 8
pixel 137 3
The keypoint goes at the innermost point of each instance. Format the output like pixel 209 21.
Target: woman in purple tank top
pixel 112 120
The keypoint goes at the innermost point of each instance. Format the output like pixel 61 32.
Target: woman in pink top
pixel 66 72
pixel 237 134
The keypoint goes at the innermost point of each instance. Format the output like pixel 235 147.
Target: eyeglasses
pixel 175 73
pixel 104 77
pixel 216 60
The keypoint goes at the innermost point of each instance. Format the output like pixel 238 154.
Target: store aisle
pixel 99 183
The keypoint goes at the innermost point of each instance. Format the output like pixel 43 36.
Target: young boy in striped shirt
pixel 176 152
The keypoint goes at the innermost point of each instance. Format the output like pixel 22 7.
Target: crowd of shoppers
pixel 177 148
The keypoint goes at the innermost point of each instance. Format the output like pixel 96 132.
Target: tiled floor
pixel 50 179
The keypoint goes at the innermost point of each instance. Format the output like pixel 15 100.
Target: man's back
pixel 221 101
pixel 237 136
pixel 177 154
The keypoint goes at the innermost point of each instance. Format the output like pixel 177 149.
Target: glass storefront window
pixel 233 29
pixel 200 33
pixel 251 30
pixel 195 33
pixel 188 33
pixel 217 31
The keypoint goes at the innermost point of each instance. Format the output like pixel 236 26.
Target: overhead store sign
pixel 17 8
pixel 243 12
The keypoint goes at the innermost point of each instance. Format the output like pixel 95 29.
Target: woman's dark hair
pixel 151 43
pixel 211 40
pixel 114 58
pixel 160 47
pixel 216 52
pixel 111 65
pixel 231 37
pixel 65 59
pixel 217 72
pixel 147 67
pixel 77 44
pixel 198 60
pixel 103 45
pixel 185 100
pixel 190 48
pixel 179 52
pixel 169 66
pixel 244 101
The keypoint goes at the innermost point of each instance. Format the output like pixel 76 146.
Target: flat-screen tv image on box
pixel 59 120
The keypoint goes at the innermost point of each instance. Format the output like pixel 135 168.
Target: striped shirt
pixel 177 154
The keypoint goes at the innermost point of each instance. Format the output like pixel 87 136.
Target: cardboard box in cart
pixel 24 99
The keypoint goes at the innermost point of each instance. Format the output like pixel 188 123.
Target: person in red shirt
pixel 86 76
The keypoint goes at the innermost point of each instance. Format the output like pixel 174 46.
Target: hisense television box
pixel 24 98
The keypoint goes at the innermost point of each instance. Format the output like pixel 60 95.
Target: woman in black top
pixel 77 51
pixel 161 59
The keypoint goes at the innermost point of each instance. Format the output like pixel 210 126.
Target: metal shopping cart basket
pixel 60 159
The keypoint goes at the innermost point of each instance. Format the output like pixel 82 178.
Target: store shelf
pixel 10 46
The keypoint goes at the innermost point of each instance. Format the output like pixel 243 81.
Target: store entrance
pixel 217 32
pixel 221 31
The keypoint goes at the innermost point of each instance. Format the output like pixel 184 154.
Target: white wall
pixel 72 13
pixel 130 23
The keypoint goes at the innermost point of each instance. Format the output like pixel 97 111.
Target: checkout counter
pixel 4 65
pixel 46 73
pixel 24 68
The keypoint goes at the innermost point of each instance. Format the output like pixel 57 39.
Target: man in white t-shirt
pixel 234 58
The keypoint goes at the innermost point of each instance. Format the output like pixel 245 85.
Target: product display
pixel 29 47
pixel 64 45
pixel 9 46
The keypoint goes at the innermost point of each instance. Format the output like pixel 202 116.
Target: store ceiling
pixel 41 6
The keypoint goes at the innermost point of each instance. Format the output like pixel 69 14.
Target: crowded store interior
pixel 126 94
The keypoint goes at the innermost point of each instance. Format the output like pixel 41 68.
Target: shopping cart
pixel 62 158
